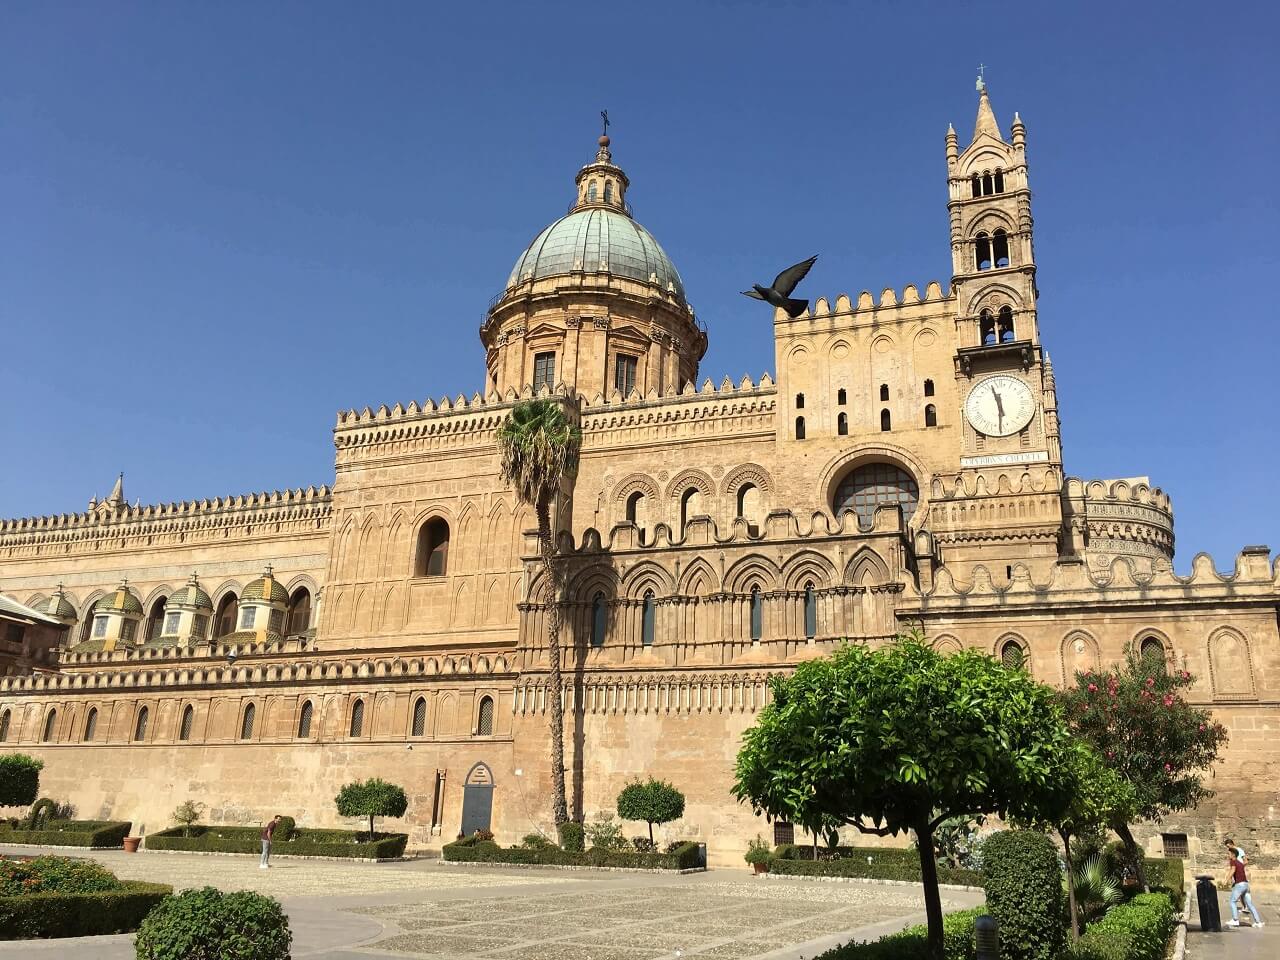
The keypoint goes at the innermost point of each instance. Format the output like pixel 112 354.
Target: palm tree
pixel 539 447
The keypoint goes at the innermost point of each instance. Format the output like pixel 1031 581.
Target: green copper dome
pixel 191 595
pixel 119 600
pixel 266 587
pixel 56 606
pixel 597 240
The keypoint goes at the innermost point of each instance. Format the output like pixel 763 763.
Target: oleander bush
pixel 54 875
pixel 67 833
pixel 65 897
pixel 207 924
pixel 684 856
pixel 1137 930
pixel 912 943
pixel 1024 886
pixel 301 842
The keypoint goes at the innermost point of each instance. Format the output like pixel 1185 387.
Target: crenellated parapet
pixel 733 690
pixel 1108 519
pixel 867 308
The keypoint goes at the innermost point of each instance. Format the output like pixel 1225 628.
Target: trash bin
pixel 1207 904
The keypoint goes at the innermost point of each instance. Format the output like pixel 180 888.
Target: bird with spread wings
pixel 779 294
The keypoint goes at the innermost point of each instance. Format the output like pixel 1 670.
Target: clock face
pixel 999 406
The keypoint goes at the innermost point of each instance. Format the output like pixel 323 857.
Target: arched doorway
pixel 477 799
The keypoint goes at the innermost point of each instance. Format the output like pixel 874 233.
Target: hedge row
pixel 684 856
pixel 1167 874
pixel 69 833
pixel 913 942
pixel 1137 930
pixel 858 867
pixel 303 843
pixel 79 914
pixel 804 851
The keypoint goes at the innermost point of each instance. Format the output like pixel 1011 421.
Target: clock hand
pixel 999 403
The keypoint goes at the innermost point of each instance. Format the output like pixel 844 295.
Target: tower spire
pixel 986 122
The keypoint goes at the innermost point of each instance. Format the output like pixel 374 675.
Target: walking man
pixel 1240 887
pixel 270 829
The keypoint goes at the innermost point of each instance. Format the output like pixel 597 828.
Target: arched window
pixel 928 388
pixel 635 503
pixel 599 619
pixel 799 401
pixel 688 503
pixel 140 725
pixel 90 724
pixel 842 424
pixel 975 186
pixel 1000 248
pixel 86 622
pixel 1012 655
pixel 433 548
pixel 155 620
pixel 999 181
pixel 841 397
pixel 484 722
pixel 5 719
pixel 608 191
pixel 874 485
pixel 188 720
pixel 420 717
pixel 1004 324
pixel 748 496
pixel 50 726
pixel 988 187
pixel 246 723
pixel 810 612
pixel 357 718
pixel 799 428
pixel 987 328
pixel 1151 650
pixel 299 619
pixel 930 415
pixel 982 252
pixel 757 613
pixel 224 621
pixel 648 613
pixel 304 721
pixel 591 192
pixel 886 421
pixel 884 391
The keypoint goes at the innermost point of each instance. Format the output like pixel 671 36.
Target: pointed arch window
pixel 599 620
pixel 304 721
pixel 6 719
pixel 1004 324
pixel 1013 655
pixel 842 424
pixel 246 722
pixel 987 328
pixel 50 726
pixel 188 721
pixel 419 717
pixel 224 621
pixel 975 186
pixel 433 548
pixel 757 613
pixel 886 421
pixel 841 397
pixel 1151 651
pixel 928 388
pixel 484 721
pixel 357 718
pixel 90 724
pixel 140 725
pixel 648 614
pixel 999 181
pixel 1000 248
pixel 799 428
pixel 982 252
pixel 930 415
pixel 155 620
pixel 299 619
pixel 810 612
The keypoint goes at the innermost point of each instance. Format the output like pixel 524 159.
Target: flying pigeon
pixel 779 295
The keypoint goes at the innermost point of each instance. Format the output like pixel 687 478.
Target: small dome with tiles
pixel 191 596
pixel 266 587
pixel 57 606
pixel 120 600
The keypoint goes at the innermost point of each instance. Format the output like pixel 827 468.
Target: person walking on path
pixel 270 829
pixel 1240 888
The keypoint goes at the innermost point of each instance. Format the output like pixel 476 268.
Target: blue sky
pixel 222 223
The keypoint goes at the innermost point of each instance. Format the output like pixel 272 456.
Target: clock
pixel 999 406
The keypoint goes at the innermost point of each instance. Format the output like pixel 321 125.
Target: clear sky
pixel 223 222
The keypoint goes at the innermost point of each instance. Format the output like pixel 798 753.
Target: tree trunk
pixel 1135 853
pixel 650 834
pixel 560 809
pixel 371 828
pixel 1071 884
pixel 929 878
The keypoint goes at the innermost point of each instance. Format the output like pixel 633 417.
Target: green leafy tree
pixel 654 801
pixel 902 738
pixel 19 779
pixel 539 446
pixel 1136 720
pixel 371 798
pixel 187 815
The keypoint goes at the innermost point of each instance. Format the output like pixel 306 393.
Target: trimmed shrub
pixel 1024 886
pixel 654 801
pixel 207 924
pixel 912 943
pixel 19 779
pixel 42 811
pixel 858 867
pixel 302 843
pixel 68 833
pixel 685 856
pixel 371 798
pixel 572 837
pixel 1137 930
pixel 881 855
pixel 1167 875
pixel 284 830
pixel 80 914
pixel 535 841
pixel 54 875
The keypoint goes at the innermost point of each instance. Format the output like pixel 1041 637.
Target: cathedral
pixel 904 469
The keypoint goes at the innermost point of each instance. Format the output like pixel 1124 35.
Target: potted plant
pixel 758 855
pixel 131 844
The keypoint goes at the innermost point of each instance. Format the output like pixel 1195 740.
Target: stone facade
pixel 904 469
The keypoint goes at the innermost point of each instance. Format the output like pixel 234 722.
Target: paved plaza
pixel 430 910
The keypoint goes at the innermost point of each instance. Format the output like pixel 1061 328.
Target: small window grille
pixel 247 617
pixel 188 719
pixel 277 621
pixel 246 724
pixel 420 717
pixel 304 721
pixel 100 627
pixel 783 832
pixel 484 724
pixel 50 726
pixel 171 623
pixel 140 725
pixel 1175 845
pixel 90 724
pixel 5 719
pixel 128 630
pixel 357 718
